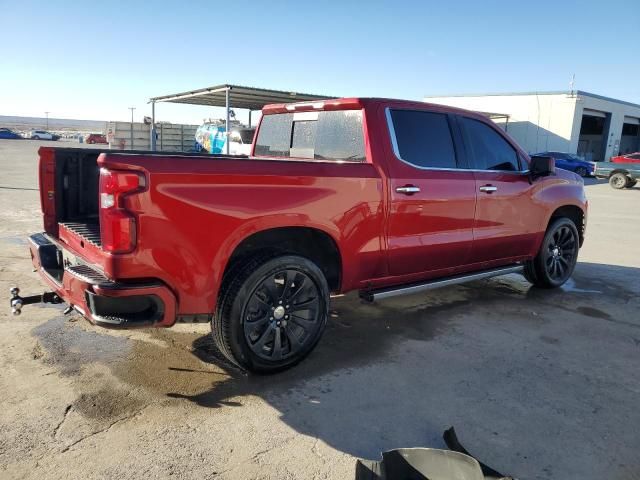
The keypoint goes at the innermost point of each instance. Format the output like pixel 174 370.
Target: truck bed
pixel 74 174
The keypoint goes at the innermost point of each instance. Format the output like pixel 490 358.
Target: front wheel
pixel 558 255
pixel 271 313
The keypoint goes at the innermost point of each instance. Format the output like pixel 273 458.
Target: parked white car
pixel 240 141
pixel 42 135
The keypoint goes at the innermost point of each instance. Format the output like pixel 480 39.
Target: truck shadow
pixel 509 365
pixel 497 356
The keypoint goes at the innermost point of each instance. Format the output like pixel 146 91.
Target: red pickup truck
pixel 381 196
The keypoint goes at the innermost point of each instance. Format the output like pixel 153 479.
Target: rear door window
pixel 332 135
pixel 423 139
pixel 489 149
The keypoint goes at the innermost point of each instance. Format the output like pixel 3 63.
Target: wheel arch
pixel 307 241
pixel 619 170
pixel 573 213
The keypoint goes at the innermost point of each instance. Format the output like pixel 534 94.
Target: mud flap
pixel 451 439
pixel 427 464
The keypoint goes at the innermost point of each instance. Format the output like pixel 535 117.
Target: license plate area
pixel 69 259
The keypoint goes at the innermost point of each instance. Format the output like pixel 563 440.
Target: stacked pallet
pixel 171 137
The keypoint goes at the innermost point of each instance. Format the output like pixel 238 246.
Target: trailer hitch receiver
pixel 17 302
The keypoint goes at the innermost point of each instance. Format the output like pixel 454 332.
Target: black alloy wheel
pixel 557 257
pixel 271 312
pixel 561 253
pixel 582 171
pixel 282 315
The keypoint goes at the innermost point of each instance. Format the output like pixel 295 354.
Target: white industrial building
pixel 590 125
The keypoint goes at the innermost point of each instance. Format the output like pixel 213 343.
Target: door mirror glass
pixel 542 166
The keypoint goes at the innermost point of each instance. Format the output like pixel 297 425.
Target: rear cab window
pixel 325 135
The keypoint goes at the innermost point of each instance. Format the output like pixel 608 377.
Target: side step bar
pixel 373 295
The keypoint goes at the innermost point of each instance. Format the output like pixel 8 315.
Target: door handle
pixel 488 188
pixel 408 189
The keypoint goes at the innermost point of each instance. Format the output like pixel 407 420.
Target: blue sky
pixel 93 60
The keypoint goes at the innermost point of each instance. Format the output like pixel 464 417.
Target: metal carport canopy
pixel 230 96
pixel 239 97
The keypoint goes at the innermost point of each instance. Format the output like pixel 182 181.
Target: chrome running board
pixel 373 295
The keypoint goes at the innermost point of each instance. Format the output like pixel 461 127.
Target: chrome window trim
pixel 396 151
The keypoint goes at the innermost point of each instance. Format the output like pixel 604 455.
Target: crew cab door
pixel 506 220
pixel 432 198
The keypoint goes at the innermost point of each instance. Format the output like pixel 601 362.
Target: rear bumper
pixel 102 301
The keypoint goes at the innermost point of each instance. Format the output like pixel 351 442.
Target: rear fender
pixel 254 226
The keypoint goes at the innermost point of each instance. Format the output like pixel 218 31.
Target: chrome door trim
pixel 396 151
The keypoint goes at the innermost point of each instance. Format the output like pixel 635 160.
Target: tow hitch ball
pixel 17 302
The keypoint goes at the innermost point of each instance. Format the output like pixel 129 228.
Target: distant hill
pixel 62 124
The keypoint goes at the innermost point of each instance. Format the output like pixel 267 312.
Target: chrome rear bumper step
pixel 373 295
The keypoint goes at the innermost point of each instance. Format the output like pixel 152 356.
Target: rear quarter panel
pixel 196 211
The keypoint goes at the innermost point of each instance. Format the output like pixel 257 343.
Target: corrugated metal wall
pixel 171 137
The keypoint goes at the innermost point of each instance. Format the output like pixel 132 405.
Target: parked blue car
pixel 10 134
pixel 572 162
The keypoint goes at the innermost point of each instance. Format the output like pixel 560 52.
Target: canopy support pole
pixel 153 126
pixel 228 137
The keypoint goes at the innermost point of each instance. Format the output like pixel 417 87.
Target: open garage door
pixel 630 140
pixel 593 133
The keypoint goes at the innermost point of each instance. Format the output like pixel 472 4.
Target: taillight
pixel 117 225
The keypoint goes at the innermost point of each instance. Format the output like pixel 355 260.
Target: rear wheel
pixel 618 180
pixel 557 257
pixel 272 312
pixel 582 171
pixel 36 137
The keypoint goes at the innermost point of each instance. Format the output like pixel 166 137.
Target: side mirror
pixel 542 167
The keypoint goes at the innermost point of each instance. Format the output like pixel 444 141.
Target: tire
pixel 631 182
pixel 558 255
pixel 36 137
pixel 269 302
pixel 618 180
pixel 582 171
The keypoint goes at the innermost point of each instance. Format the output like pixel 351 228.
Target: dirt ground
pixel 539 384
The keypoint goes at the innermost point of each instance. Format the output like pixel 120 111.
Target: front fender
pixel 564 189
